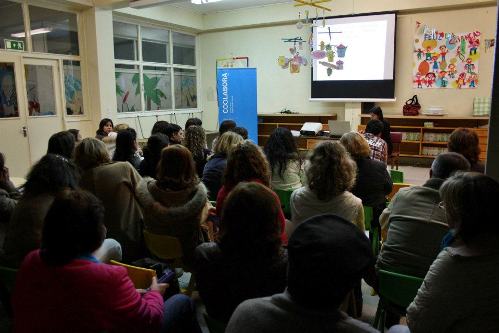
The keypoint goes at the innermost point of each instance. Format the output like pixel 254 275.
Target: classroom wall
pixel 277 88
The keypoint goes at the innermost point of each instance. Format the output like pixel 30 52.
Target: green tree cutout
pixel 151 91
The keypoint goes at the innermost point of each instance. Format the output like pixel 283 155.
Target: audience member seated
pixel 415 222
pixel 215 167
pixel 465 142
pixel 105 127
pixel 161 126
pixel 248 260
pixel 77 135
pixel 377 114
pixel 241 131
pixel 247 163
pixel 62 144
pixel 284 160
pixel 225 126
pixel 378 146
pixel 49 176
pixel 152 155
pixel 327 257
pixel 193 121
pixel 176 204
pixel 195 141
pixel 175 134
pixel 330 175
pixel 373 181
pixel 460 292
pixel 115 184
pixel 126 148
pixel 8 196
pixel 62 287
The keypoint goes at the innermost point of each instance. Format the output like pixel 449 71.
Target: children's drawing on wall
pixel 445 60
pixel 295 60
pixel 8 92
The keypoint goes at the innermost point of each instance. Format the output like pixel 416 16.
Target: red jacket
pixel 82 296
pixel 224 192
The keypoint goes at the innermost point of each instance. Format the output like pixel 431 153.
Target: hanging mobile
pixel 299 24
pixel 323 18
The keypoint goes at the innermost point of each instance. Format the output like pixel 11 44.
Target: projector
pixel 311 129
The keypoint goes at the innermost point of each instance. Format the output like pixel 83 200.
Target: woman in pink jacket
pixel 63 288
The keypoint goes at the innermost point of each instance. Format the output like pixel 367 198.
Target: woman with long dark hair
pixel 248 260
pixel 62 144
pixel 126 148
pixel 152 155
pixel 377 114
pixel 195 141
pixel 284 160
pixel 105 127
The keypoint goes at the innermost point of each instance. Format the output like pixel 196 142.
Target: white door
pixel 44 105
pixel 13 131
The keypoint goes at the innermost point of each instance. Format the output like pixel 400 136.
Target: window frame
pixel 167 65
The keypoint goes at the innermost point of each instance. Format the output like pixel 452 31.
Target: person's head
pixel 331 170
pixel 241 131
pixel 376 113
pixel 356 145
pixel 121 127
pixel 105 127
pixel 226 142
pixel 279 149
pixel 226 126
pixel 177 169
pixel 3 170
pixel 465 142
pixel 91 153
pixel 77 135
pixel 175 133
pixel 160 126
pixel 249 225
pixel 62 143
pixel 152 151
pixel 470 201
pixel 195 141
pixel 327 256
pixel 375 127
pixel 446 164
pixel 51 174
pixel 126 145
pixel 246 162
pixel 73 227
pixel 193 121
pixel 2 161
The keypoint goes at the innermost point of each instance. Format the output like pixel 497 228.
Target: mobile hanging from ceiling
pixel 313 3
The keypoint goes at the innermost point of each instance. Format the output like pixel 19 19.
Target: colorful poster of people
pixel 445 60
pixel 8 93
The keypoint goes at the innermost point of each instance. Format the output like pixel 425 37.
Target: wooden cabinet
pixel 421 140
pixel 268 122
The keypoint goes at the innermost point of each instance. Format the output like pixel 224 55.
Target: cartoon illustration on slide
pixel 330 51
pixel 445 60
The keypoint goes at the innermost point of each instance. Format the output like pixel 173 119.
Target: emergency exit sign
pixel 14 44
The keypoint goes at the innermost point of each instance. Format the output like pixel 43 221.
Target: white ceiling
pixel 227 5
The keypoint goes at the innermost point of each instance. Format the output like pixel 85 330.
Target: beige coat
pixel 115 184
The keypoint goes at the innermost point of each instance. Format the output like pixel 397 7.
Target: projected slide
pixel 354 48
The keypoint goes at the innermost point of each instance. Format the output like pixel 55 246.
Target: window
pixel 155 68
pixel 72 87
pixel 11 24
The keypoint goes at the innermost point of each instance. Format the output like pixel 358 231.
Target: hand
pixel 160 287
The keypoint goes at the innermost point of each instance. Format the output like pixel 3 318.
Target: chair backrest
pixel 397 176
pixel 285 198
pixel 8 278
pixel 162 246
pixel 397 288
pixel 395 189
pixel 141 277
pixel 396 137
pixel 368 217
pixel 214 326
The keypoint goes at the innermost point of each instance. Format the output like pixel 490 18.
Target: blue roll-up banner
pixel 237 98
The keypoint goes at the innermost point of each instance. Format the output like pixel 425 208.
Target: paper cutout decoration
pixel 294 62
pixel 445 60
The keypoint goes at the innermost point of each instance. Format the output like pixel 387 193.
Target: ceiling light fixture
pixel 202 2
pixel 32 32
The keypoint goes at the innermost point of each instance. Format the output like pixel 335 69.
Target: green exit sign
pixel 14 44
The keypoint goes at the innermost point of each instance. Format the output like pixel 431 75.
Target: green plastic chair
pixel 7 282
pixel 285 198
pixel 373 232
pixel 397 290
pixel 397 176
pixel 214 326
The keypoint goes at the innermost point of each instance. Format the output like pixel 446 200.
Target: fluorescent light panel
pixel 33 32
pixel 202 2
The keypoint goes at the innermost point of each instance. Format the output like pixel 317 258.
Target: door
pixel 42 94
pixel 13 132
